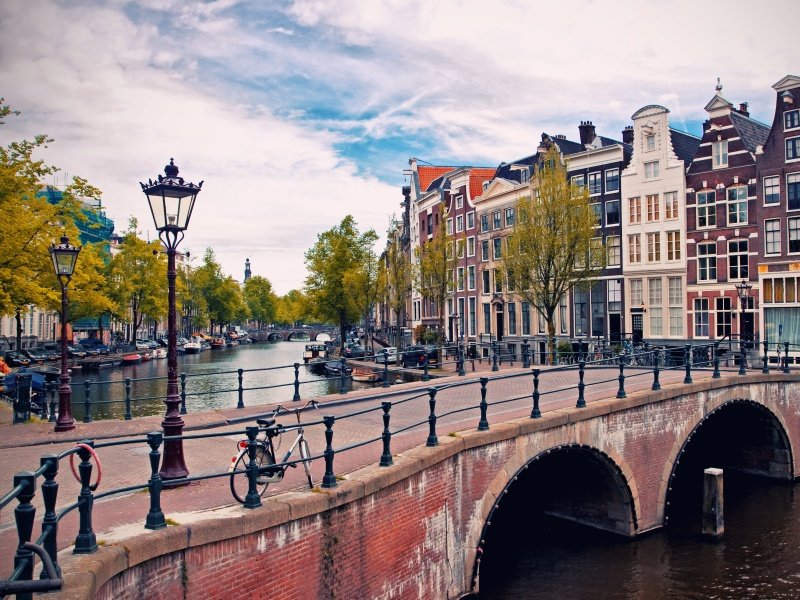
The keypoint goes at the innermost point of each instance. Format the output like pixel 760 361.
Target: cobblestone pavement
pixel 457 399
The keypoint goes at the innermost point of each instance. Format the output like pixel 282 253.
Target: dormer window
pixel 650 142
pixel 791 119
pixel 719 154
pixel 524 175
pixel 459 202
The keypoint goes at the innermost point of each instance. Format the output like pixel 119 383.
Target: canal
pixel 212 381
pixel 758 557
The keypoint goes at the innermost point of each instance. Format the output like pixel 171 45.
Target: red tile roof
pixel 428 174
pixel 476 179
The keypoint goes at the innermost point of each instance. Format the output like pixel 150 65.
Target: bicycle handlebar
pixel 296 411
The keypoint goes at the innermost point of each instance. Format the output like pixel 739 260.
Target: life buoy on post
pixel 91 451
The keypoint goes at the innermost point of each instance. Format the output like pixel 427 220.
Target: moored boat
pixel 364 374
pixel 192 346
pixel 131 358
pixel 314 351
pixel 217 343
pixel 160 353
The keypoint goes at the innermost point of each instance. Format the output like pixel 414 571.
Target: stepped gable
pixel 752 133
pixel 684 145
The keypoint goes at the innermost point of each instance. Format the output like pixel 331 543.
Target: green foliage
pixel 338 254
pixel 552 246
pixel 260 299
pixel 291 308
pixel 223 297
pixel 396 280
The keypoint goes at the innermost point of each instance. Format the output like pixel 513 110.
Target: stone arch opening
pixel 274 337
pixel 742 437
pixel 574 483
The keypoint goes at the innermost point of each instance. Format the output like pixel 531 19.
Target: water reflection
pixel 212 381
pixel 759 556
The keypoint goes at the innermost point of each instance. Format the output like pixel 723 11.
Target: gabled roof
pixel 427 174
pixel 717 103
pixel 507 170
pixel 787 83
pixel 476 178
pixel 684 145
pixel 751 132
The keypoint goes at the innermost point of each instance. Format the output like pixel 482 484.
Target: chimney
pixel 587 132
pixel 743 109
pixel 627 134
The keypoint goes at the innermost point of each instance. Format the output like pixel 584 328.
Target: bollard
pixel 386 383
pixel 483 424
pixel 85 542
pixel 526 357
pixel 621 378
pixel 656 371
pixel 715 374
pixel 252 499
pixel 535 412
pixel 43 414
pixel 183 393
pixel 786 357
pixel 460 354
pixel 687 363
pixel 432 439
pixel 51 390
pixel 296 397
pixel 329 479
pixel 155 516
pixel 425 375
pixel 87 401
pixel 713 503
pixel 765 359
pixel 128 416
pixel 343 376
pixel 742 358
pixel 24 514
pixel 240 403
pixel 581 403
pixel 494 357
pixel 386 456
pixel 50 519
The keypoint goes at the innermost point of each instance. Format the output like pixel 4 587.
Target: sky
pixel 298 113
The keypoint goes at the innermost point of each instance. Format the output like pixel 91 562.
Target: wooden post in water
pixel 713 503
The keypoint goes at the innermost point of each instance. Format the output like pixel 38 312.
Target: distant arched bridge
pixel 288 334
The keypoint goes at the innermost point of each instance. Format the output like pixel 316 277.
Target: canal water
pixel 212 381
pixel 758 557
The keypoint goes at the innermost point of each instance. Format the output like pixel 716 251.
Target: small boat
pixel 160 353
pixel 217 343
pixel 365 375
pixel 317 365
pixel 132 358
pixel 335 367
pixel 192 346
pixel 146 356
pixel 314 351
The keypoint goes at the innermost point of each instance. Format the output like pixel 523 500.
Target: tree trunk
pixel 551 338
pixel 18 318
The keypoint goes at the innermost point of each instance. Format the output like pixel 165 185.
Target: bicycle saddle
pixel 266 422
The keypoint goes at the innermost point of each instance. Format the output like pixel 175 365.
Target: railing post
pixel 786 357
pixel 183 393
pixel 128 415
pixel 51 390
pixel 581 403
pixel 44 399
pixel 296 397
pixel 494 357
pixel 765 359
pixel 425 375
pixel 432 439
pixel 715 374
pixel 87 401
pixel 526 356
pixel 329 479
pixel 343 376
pixel 656 371
pixel 687 363
pixel 155 517
pixel 252 499
pixel 460 354
pixel 50 521
pixel 483 424
pixel 742 357
pixel 621 378
pixel 24 514
pixel 240 403
pixel 85 542
pixel 386 383
pixel 535 412
pixel 386 457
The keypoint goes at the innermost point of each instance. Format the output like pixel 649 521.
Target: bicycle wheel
pixel 239 481
pixel 304 454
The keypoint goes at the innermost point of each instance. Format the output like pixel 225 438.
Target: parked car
pixel 94 345
pixel 14 358
pixel 388 354
pixel 51 350
pixel 142 345
pixel 354 351
pixel 35 355
pixel 76 351
pixel 416 356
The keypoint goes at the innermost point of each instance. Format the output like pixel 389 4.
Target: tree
pixel 437 260
pixel 552 246
pixel 260 300
pixel 291 308
pixel 337 251
pixel 363 280
pixel 138 276
pixel 222 295
pixel 397 278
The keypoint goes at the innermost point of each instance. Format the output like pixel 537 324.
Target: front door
pixel 614 327
pixel 500 323
pixel 637 322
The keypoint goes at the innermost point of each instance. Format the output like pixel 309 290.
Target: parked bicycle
pixel 269 470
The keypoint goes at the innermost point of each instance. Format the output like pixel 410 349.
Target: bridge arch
pixel 572 481
pixel 737 435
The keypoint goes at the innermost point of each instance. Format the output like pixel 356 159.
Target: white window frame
pixel 595 182
pixel 791 115
pixel 654 247
pixel 772 182
pixel 708 209
pixel 710 261
pixel 789 222
pixel 612 175
pixel 772 237
pixel 459 202
pixel 635 209
pixel 736 202
pixel 652 169
pixel 449 226
pixel 471 246
pixel 743 260
pixel 719 154
pixel 471 219
pixel 671 206
pixel 609 204
pixel 674 245
pixel 653 207
pixel 614 250
pixel 634 248
pixel 794 144
pixel 459 223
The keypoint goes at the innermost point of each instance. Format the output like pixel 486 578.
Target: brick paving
pixel 21 446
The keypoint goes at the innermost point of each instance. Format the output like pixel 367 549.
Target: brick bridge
pixel 422 527
pixel 289 334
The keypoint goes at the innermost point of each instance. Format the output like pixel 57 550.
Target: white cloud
pixel 259 100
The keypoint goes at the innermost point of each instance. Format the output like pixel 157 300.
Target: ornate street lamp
pixel 171 202
pixel 743 291
pixel 64 257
